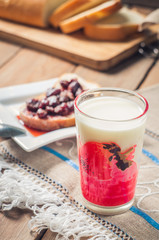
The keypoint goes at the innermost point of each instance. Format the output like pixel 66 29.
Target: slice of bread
pixel 31 12
pixel 52 122
pixel 115 27
pixel 92 15
pixel 71 8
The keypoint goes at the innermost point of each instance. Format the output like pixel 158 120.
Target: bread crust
pixel 52 122
pixel 31 12
pixel 115 33
pixel 70 8
pixel 90 16
pixel 49 124
pixel 116 27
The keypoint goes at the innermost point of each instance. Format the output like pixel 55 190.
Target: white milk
pixel 111 108
pixel 110 121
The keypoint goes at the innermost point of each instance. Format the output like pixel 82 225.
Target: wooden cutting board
pixel 100 55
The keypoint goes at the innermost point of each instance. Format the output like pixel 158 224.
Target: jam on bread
pixel 57 101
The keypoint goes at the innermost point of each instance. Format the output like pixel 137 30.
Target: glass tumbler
pixel 110 126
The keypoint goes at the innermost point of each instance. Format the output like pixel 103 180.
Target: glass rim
pixel 138 95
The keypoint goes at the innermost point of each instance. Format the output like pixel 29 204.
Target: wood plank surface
pixel 14 225
pixel 52 236
pixel 40 66
pixel 31 66
pixel 152 77
pixel 7 51
pixel 127 75
pixel 100 55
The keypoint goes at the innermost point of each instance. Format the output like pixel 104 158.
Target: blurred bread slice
pixel 115 27
pixel 90 16
pixel 71 8
pixel 31 12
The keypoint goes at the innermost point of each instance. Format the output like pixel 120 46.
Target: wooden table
pixel 19 64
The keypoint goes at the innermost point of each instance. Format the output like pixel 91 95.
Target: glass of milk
pixel 110 127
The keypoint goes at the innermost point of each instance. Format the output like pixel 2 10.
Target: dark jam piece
pixel 33 104
pixel 42 113
pixel 73 86
pixel 62 109
pixel 70 106
pixel 66 96
pixel 64 84
pixel 44 102
pixel 53 101
pixel 70 95
pixel 50 110
pixel 53 91
pixel 78 92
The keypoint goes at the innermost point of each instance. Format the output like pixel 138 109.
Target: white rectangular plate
pixel 15 96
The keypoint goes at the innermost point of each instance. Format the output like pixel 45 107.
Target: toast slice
pixel 116 27
pixel 71 8
pixel 29 12
pixel 54 109
pixel 92 15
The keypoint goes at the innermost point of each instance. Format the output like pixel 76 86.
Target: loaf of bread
pixel 92 15
pixel 54 108
pixel 71 8
pixel 115 27
pixel 31 12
